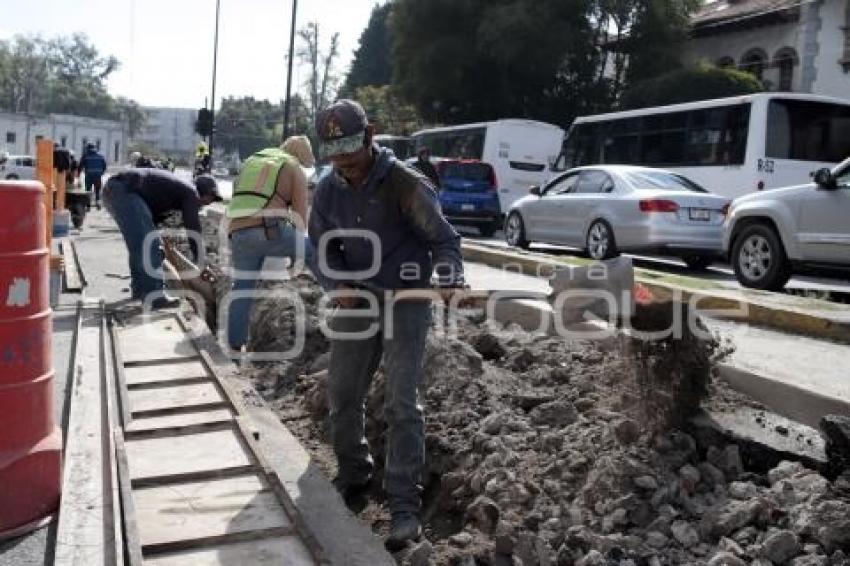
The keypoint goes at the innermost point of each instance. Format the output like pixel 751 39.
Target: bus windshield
pixel 807 130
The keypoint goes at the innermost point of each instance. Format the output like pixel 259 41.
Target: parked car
pixel 17 167
pixel 605 210
pixel 220 170
pixel 469 194
pixel 773 234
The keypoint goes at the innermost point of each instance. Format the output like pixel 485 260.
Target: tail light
pixel 491 178
pixel 658 205
pixel 725 210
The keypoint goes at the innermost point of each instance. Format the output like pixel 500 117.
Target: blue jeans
pixel 135 221
pixel 249 248
pixel 93 180
pixel 352 365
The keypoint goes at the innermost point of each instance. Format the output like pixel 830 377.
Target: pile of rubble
pixel 543 451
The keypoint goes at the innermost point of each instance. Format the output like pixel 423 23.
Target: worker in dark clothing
pixel 93 165
pixel 138 199
pixel 423 165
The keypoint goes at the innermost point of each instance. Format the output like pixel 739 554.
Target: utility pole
pixel 215 61
pixel 288 104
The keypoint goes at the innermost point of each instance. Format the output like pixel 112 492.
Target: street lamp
pixel 288 102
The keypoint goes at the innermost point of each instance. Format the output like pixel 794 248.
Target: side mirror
pixel 535 190
pixel 824 179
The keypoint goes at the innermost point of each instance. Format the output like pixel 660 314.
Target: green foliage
pixel 372 64
pixel 390 114
pixel 702 82
pixel 247 125
pixel 63 75
pixel 656 37
pixel 322 80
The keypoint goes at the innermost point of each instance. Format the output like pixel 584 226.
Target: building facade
pixel 20 132
pixel 791 45
pixel 171 131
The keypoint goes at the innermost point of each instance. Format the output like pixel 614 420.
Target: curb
pixel 717 304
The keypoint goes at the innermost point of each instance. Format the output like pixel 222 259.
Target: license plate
pixel 467 207
pixel 700 214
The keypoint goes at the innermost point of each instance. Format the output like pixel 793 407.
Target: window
pixel 718 136
pixel 660 180
pixel 117 153
pixel 11 137
pixel 664 138
pixel 808 131
pixel 592 182
pixel 461 144
pixel 526 166
pixel 785 60
pixel 563 185
pixel 582 145
pixel 754 62
pixel 621 142
pixel 27 162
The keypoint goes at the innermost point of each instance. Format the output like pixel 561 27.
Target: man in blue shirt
pixel 94 166
pixel 378 232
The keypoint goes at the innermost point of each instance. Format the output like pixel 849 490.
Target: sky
pixel 166 46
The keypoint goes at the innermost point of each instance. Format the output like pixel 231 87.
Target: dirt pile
pixel 546 451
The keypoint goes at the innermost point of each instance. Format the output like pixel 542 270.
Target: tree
pixel 372 64
pixel 24 71
pixel 701 82
pixel 656 37
pixel 322 81
pixel 390 114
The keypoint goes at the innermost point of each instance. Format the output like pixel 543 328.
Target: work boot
pixel 352 493
pixel 405 527
pixel 97 204
pixel 165 302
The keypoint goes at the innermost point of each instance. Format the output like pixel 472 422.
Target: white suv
pixel 770 235
pixel 17 167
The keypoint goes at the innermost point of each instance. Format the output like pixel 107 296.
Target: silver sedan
pixel 608 209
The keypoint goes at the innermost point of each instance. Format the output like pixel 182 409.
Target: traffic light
pixel 204 125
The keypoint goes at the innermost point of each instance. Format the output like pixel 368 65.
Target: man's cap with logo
pixel 340 128
pixel 206 185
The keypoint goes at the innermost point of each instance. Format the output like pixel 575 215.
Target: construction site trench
pixel 547 451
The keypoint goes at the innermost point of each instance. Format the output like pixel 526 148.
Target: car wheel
pixel 759 259
pixel 515 231
pixel 600 242
pixel 698 262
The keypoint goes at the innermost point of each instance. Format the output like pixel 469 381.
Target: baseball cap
pixel 340 128
pixel 206 185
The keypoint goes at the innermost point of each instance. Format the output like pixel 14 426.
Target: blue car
pixel 469 194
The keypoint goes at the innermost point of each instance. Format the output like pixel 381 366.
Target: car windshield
pixel 661 180
pixel 466 171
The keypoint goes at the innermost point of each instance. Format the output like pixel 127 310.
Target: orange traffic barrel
pixel 30 440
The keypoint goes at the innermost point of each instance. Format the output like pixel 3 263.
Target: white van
pixel 520 151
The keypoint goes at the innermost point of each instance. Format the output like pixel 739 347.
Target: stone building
pixel 791 45
pixel 171 131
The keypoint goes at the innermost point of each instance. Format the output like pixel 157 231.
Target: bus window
pixel 808 131
pixel 458 144
pixel 718 136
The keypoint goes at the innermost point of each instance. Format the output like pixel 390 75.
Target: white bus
pixel 520 151
pixel 731 146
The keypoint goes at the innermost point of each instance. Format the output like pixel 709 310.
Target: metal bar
pixel 191 477
pixel 112 491
pixel 160 361
pixel 128 507
pixel 170 411
pixel 178 430
pixel 121 378
pixel 287 108
pixel 152 550
pixel 166 384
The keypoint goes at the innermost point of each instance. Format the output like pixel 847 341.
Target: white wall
pixel 74 128
pixel 831 80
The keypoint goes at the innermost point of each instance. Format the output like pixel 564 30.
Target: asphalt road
pixel 718 272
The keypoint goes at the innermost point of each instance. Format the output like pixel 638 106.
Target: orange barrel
pixel 30 440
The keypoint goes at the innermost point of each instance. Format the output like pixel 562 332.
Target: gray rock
pixel 785 470
pixel 780 546
pixel 689 477
pixel 557 414
pixel 627 431
pixel 836 428
pixel 656 539
pixel 484 513
pixel 461 540
pixel 726 559
pixel 646 482
pixel 711 475
pixel 592 558
pixel 810 560
pixel 729 545
pixel 736 515
pixel 420 554
pixel 684 533
pixel 742 490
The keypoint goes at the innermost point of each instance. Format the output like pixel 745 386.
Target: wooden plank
pixel 155 337
pixel 83 535
pixel 72 270
pixel 187 419
pixel 198 510
pixel 157 457
pixel 128 507
pixel 200 394
pixel 173 371
pixel 284 551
